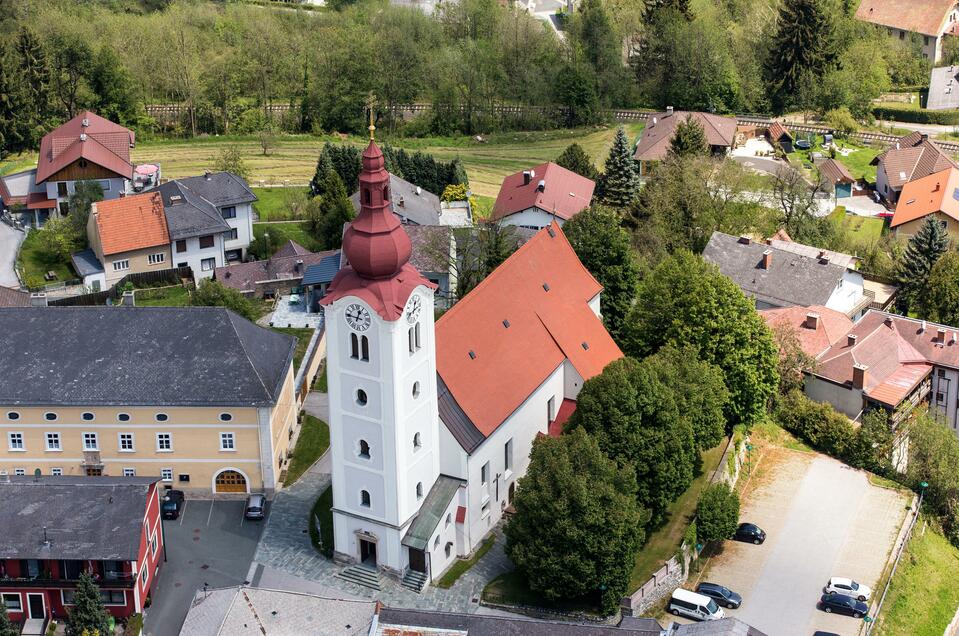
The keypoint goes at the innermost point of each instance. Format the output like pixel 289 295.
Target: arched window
pixel 365 498
pixel 436 542
pixel 417 442
pixel 365 346
pixel 364 449
pixel 416 390
pixel 419 490
pixel 386 193
pixel 361 397
pixel 449 548
pixel 368 195
pixel 414 338
pixel 354 346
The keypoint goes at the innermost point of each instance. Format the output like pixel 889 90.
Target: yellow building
pixel 198 396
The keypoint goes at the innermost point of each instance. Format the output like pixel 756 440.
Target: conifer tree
pixel 689 140
pixel 336 209
pixel 803 43
pixel 922 252
pixel 575 158
pixel 14 128
pixel 324 165
pixel 620 181
pixel 36 72
pixel 88 613
pixel 6 627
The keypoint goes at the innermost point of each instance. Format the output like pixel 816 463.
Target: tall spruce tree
pixel 925 248
pixel 36 72
pixel 575 158
pixel 88 613
pixel 336 210
pixel 803 43
pixel 689 140
pixel 14 127
pixel 324 166
pixel 620 181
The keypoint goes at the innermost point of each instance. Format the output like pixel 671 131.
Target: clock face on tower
pixel 413 307
pixel 358 317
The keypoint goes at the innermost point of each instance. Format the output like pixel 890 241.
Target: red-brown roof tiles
pixel 919 16
pixel 654 143
pixel 101 142
pixel 831 326
pixel 541 292
pixel 565 193
pixel 131 223
pixel 928 195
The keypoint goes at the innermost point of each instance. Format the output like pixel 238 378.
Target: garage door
pixel 230 481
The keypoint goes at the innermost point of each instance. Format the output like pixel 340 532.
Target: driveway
pixel 822 519
pixel 10 240
pixel 210 543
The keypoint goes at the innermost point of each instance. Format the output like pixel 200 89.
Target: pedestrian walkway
pixel 285 546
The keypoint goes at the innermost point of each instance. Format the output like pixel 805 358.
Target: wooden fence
pixel 171 276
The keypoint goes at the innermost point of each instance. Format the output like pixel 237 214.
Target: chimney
pixel 767 259
pixel 38 299
pixel 401 202
pixel 541 186
pixel 83 136
pixel 84 122
pixel 851 340
pixel 299 265
pixel 128 299
pixel 941 335
pixel 669 111
pixel 897 146
pixel 812 321
pixel 924 136
pixel 859 376
pixel 654 121
pixel 419 190
pixel 744 240
pixel 206 175
pixel 888 321
pixel 822 253
pixel 922 327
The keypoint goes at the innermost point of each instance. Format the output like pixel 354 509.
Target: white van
pixel 696 606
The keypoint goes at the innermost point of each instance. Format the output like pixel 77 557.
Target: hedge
pixel 948 117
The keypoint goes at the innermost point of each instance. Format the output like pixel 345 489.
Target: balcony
pixel 126 581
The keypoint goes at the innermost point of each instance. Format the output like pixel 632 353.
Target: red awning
pixel 39 201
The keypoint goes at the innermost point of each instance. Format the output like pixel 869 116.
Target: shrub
pixel 717 513
pixel 819 424
pixel 897 113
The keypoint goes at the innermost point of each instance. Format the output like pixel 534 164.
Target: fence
pixel 916 507
pixel 141 279
pixel 315 352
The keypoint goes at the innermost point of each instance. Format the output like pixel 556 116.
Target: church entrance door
pixel 368 552
pixel 418 560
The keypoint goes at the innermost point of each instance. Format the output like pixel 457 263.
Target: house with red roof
pixel 816 327
pixel 935 195
pixel 87 147
pixel 932 20
pixel 127 236
pixel 544 194
pixel 654 143
pixel 432 421
pixel 913 156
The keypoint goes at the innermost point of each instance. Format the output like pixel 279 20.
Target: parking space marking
pixel 210 515
pixel 183 512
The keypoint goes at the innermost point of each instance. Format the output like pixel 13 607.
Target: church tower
pixel 381 366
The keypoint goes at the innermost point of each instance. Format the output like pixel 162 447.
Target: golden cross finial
pixel 370 103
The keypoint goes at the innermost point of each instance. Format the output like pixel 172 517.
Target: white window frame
pixel 20 472
pixel 19 596
pixel 54 436
pixel 156 258
pixel 105 184
pixel 56 472
pixel 129 472
pixel 133 446
pixel 96 441
pixel 212 264
pixel 16 443
pixel 169 440
pixel 166 474
pixel 121 265
pixel 231 436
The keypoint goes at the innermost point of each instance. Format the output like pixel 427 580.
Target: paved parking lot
pixel 822 519
pixel 210 543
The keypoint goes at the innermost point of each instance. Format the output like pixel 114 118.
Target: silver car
pixel 255 507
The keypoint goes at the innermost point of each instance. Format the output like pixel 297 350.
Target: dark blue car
pixel 842 604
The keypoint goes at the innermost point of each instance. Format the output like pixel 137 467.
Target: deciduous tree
pixel 230 159
pixel 7 628
pixel 577 526
pixel 211 293
pixel 717 513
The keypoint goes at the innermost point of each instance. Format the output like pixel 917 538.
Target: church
pixel 432 422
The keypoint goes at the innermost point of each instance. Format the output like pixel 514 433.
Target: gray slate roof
pixel 190 214
pixel 456 420
pixel 418 209
pixel 436 502
pixel 97 518
pixel 220 188
pixel 723 627
pixel 86 263
pixel 324 271
pixel 792 279
pixel 477 625
pixel 176 356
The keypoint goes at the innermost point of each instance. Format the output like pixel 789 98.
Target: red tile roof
pixel 566 410
pixel 835 172
pixel 912 157
pixel 928 195
pixel 919 16
pixel 565 194
pixel 777 130
pixel 131 223
pixel 101 142
pixel 831 326
pixel 659 131
pixel 542 292
pixel 39 201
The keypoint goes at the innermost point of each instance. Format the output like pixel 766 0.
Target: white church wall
pixel 453 458
pixel 444 534
pixel 572 381
pixel 348 530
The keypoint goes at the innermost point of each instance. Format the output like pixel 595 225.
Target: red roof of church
pixel 101 142
pixel 500 343
pixel 566 410
pixel 564 192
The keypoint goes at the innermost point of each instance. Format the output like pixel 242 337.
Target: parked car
pixel 840 585
pixel 722 595
pixel 172 504
pixel 750 533
pixel 255 505
pixel 842 604
pixel 696 606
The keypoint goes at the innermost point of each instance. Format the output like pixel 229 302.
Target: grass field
pixel 923 596
pixel 178 296
pixel 313 441
pixel 460 566
pixel 857 162
pixel 302 342
pixel 287 231
pixel 664 542
pixel 271 203
pixel 294 159
pixel 862 230
pixel 34 262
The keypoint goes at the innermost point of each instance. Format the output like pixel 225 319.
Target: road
pixel 10 240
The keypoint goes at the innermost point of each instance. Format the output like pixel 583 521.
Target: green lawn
pixel 313 441
pixel 34 263
pixel 271 204
pixel 857 161
pixel 285 232
pixel 923 596
pixel 322 539
pixel 511 588
pixel 462 565
pixel 178 296
pixel 321 382
pixel 302 342
pixel 861 229
pixel 664 542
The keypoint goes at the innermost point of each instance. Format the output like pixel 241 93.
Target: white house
pixel 432 424
pixel 932 20
pixel 543 194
